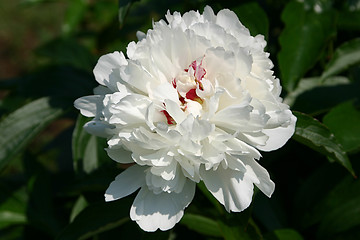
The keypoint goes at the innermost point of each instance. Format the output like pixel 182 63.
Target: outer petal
pixel 106 64
pixel 126 183
pixel 88 105
pixel 119 154
pixel 260 176
pixel 231 188
pixel 130 110
pixel 99 128
pixel 278 136
pixel 152 211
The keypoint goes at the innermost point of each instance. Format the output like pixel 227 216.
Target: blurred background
pixel 53 174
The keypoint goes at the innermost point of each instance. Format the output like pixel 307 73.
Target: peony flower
pixel 195 100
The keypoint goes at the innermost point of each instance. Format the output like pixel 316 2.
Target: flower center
pixel 187 85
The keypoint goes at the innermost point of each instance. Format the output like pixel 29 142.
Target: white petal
pixel 228 19
pixel 278 136
pixel 234 117
pixel 261 176
pixel 126 183
pixel 106 64
pixel 119 155
pixel 161 211
pixel 158 158
pixel 137 76
pixel 140 35
pixel 231 188
pixel 130 110
pixel 193 107
pixel 217 60
pixel 174 111
pixel 201 129
pixel 209 14
pixel 162 92
pixel 99 128
pixel 89 105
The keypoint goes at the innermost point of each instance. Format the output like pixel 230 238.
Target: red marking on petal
pixel 169 119
pixel 182 99
pixel 193 65
pixel 200 73
pixel 174 83
pixel 191 94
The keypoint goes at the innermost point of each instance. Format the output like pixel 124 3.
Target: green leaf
pixel 97 218
pixel 201 224
pixel 85 147
pixel 321 99
pixel 79 205
pixel 124 6
pixel 21 126
pixel 235 231
pixel 284 234
pixel 343 121
pixel 302 41
pixel 317 136
pixel 307 84
pixel 345 56
pixel 13 209
pixel 254 18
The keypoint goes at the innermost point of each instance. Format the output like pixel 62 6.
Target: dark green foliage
pixel 53 174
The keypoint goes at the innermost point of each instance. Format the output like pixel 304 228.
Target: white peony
pixel 194 101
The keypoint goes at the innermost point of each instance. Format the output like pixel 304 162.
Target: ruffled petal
pixel 89 105
pixel 99 128
pixel 130 110
pixel 126 183
pixel 161 211
pixel 106 64
pixel 278 136
pixel 233 189
pixel 260 176
pixel 119 154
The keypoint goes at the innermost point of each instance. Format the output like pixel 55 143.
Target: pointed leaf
pixel 21 126
pixel 302 41
pixel 317 136
pixel 343 121
pixel 307 84
pixel 79 205
pixel 201 224
pixel 85 147
pixel 345 56
pixel 13 208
